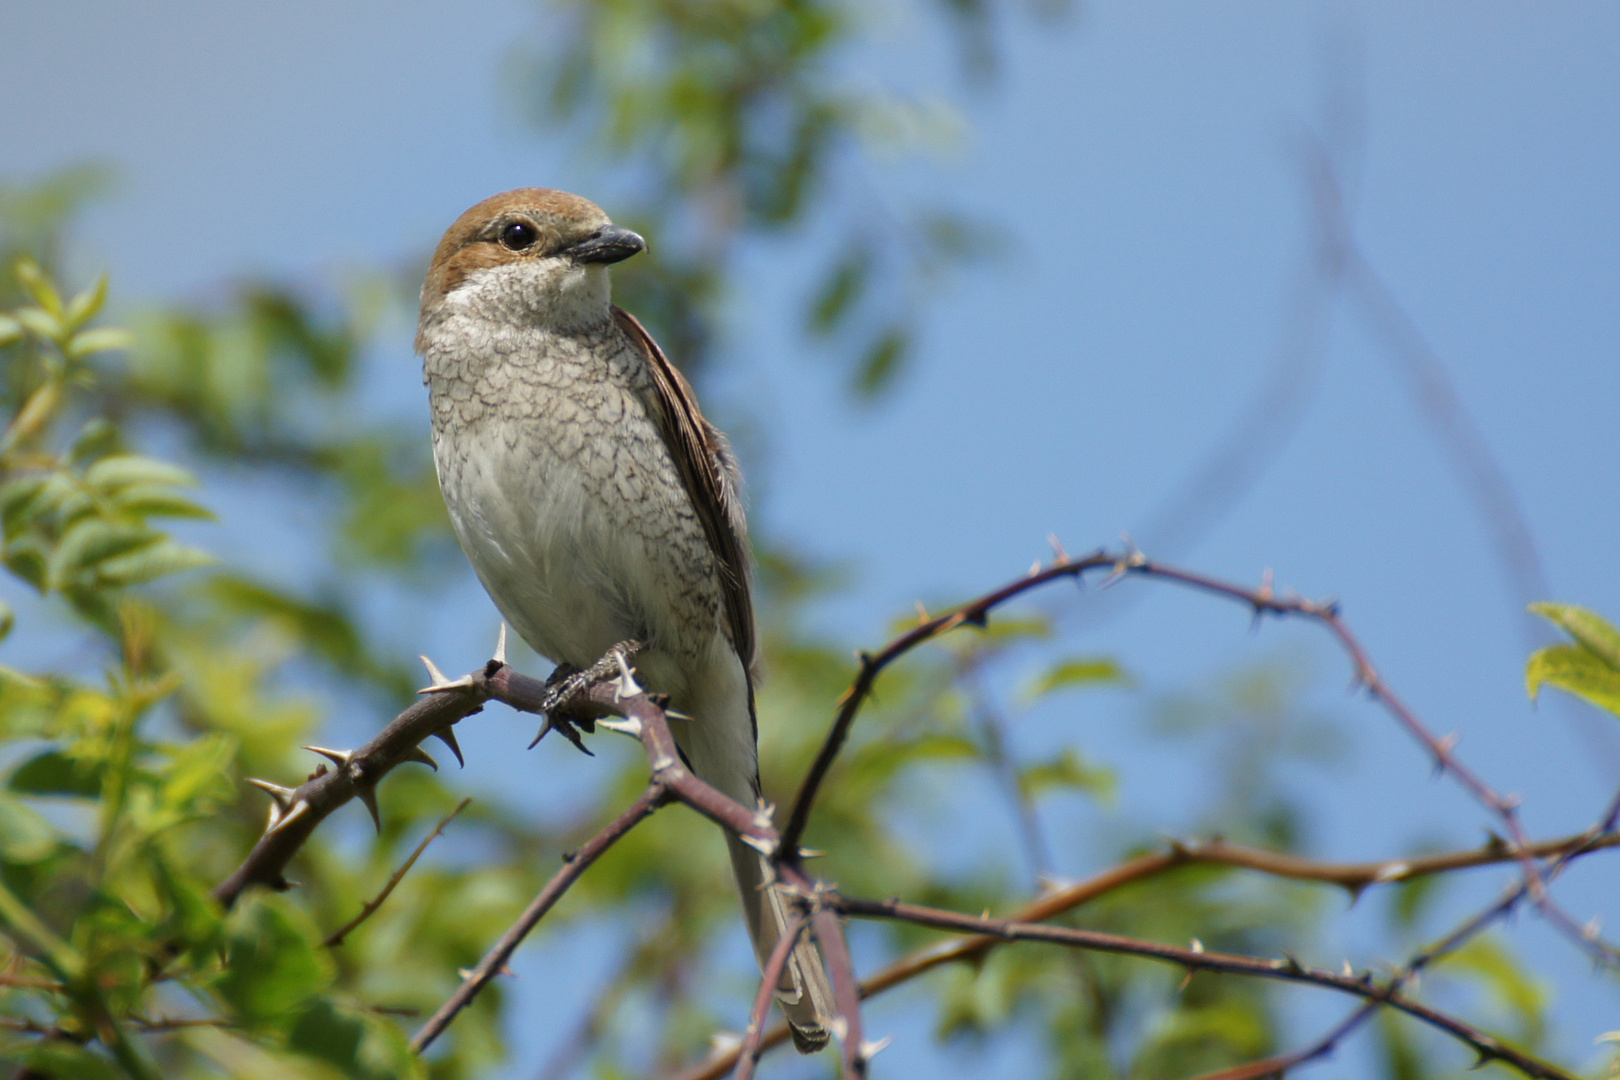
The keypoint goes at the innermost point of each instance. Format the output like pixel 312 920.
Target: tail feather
pixel 804 993
pixel 719 744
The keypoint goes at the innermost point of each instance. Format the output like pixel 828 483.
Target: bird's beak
pixel 609 244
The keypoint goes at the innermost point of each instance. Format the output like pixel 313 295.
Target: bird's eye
pixel 518 235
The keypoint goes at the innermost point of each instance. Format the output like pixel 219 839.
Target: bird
pixel 597 504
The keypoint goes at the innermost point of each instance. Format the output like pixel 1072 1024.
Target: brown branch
pixel 1263 601
pixel 974 613
pixel 748 1053
pixel 334 939
pixel 299 811
pixel 671 781
pixel 1279 1064
pixel 576 864
pixel 846 989
pixel 1194 959
pixel 1354 877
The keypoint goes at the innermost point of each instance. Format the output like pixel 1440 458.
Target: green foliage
pixel 143 681
pixel 1590 668
pixel 122 803
pixel 737 122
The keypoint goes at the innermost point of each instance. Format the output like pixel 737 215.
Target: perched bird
pixel 595 501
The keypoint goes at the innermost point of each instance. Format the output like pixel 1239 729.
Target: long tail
pixel 718 743
pixel 803 992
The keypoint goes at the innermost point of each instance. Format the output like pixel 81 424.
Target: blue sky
pixel 1139 163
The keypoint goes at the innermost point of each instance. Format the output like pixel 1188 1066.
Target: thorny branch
pixel 598 692
pixel 1355 878
pixel 1262 601
pixel 1197 958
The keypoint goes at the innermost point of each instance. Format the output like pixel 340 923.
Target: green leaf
pixel 7 620
pixel 1076 671
pixel 882 362
pixel 96 439
pixel 39 322
pixel 39 286
pixel 200 773
pixel 149 563
pixel 324 1032
pixel 122 470
pixel 101 339
pixel 1589 629
pixel 25 836
pixel 1577 670
pixel 91 540
pixel 1517 989
pixel 1067 770
pixel 27 561
pixel 274 960
pixel 59 1057
pixel 157 500
pixel 17 501
pixel 842 288
pixel 54 773
pixel 84 306
pixel 938 746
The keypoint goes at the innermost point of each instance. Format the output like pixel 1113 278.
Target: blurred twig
pixel 335 938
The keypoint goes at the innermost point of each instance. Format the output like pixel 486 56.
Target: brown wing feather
pixel 712 479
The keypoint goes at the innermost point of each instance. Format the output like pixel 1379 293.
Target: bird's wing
pixel 709 470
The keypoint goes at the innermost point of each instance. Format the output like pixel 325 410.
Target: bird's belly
pixel 580 544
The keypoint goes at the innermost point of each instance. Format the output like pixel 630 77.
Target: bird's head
pixel 533 255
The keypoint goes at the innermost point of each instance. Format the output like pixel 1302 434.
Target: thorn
pixel 1186 980
pixel 1035 568
pixel 630 726
pixel 432 669
pixel 572 736
pixel 724 1042
pixel 282 821
pixel 447 735
pixel 1393 871
pixel 1050 884
pixel 870 1048
pixel 440 681
pixel 1057 548
pixel 420 755
pixel 1349 972
pixel 467 973
pixel 281 795
pixel 1118 571
pixel 500 646
pixel 766 848
pixel 368 795
pixel 567 731
pixel 340 758
pixel 1133 554
pixel 673 715
pixel 811 853
pixel 1198 946
pixel 922 613
pixel 628 687
pixel 839 1028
